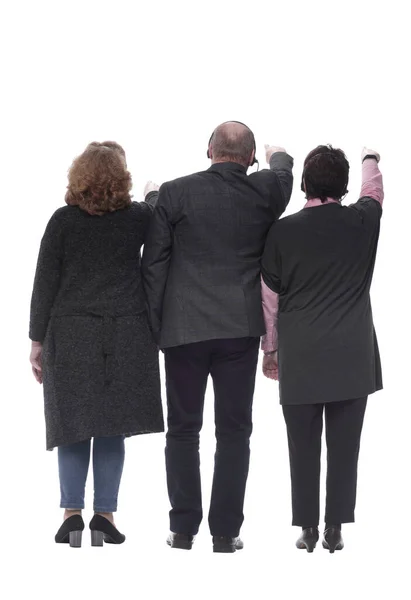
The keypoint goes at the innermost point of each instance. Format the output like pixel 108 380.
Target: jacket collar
pixel 317 202
pixel 227 166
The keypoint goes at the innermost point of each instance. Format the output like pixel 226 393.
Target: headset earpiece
pixel 209 143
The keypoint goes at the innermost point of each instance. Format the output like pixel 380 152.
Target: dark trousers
pixel 343 422
pixel 232 364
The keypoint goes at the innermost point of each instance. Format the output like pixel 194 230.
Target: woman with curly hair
pixel 91 343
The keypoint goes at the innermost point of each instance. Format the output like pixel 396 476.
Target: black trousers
pixel 344 422
pixel 232 364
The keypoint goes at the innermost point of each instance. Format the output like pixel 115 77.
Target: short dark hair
pixel 236 146
pixel 325 174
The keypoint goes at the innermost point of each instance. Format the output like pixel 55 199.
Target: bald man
pixel 201 273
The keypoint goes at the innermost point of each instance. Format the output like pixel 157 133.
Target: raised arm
pixel 372 186
pixel 47 279
pixel 156 259
pixel 151 193
pixel 369 206
pixel 281 164
pixel 277 182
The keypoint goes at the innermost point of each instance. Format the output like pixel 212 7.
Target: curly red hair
pixel 98 179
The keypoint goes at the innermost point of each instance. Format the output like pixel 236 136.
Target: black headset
pixel 254 161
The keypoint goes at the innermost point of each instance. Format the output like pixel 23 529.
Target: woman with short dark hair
pixel 317 270
pixel 91 343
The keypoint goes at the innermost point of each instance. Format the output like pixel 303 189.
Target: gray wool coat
pixel 100 363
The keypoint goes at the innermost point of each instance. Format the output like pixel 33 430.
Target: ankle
pixel 329 526
pixel 108 516
pixel 71 512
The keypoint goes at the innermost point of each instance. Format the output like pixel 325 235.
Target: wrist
pixel 367 156
pixel 36 344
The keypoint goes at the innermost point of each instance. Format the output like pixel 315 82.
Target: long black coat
pixel 321 262
pixel 100 363
pixel 201 262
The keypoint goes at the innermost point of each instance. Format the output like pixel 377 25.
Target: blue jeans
pixel 108 462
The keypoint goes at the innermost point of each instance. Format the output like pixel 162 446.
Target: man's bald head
pixel 232 142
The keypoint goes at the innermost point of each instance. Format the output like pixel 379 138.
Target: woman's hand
pixel 270 366
pixel 368 152
pixel 35 360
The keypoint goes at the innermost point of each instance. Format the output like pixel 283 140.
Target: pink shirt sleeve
pixel 270 309
pixel 372 185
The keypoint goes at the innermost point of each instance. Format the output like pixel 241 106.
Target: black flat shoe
pixel 104 531
pixel 71 532
pixel 308 539
pixel 227 544
pixel 180 541
pixel 333 539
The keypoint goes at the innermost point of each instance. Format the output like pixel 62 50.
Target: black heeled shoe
pixel 333 539
pixel 71 532
pixel 227 545
pixel 180 541
pixel 308 539
pixel 104 531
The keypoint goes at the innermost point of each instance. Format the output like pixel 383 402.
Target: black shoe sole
pixel 226 548
pixel 180 545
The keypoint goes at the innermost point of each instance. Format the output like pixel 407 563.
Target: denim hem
pixel 70 506
pixel 104 509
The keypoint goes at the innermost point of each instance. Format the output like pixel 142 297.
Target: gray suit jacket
pixel 201 259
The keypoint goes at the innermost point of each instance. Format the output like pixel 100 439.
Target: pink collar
pixel 317 202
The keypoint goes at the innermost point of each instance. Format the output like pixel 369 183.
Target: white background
pixel 158 77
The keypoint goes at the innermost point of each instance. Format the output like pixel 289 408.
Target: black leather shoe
pixel 308 539
pixel 71 532
pixel 227 544
pixel 180 541
pixel 104 531
pixel 333 539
